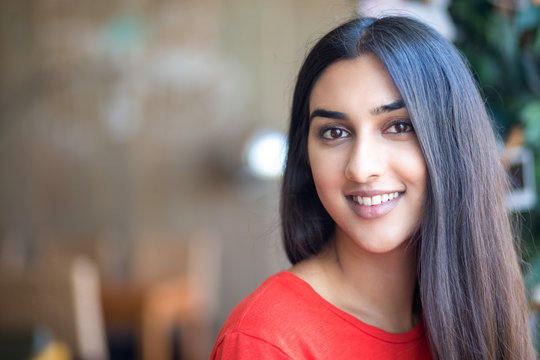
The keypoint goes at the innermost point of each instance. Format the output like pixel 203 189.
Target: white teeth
pixel 375 200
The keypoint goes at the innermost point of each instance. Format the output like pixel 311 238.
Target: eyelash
pixel 324 133
pixel 400 122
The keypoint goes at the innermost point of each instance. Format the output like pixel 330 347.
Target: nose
pixel 365 163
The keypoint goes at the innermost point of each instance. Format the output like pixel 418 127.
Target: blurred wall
pixel 120 118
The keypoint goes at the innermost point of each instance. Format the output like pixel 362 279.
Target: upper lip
pixel 371 193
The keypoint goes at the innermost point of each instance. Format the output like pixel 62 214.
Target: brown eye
pixel 400 127
pixel 334 133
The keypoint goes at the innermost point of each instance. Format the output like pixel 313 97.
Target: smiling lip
pixel 373 204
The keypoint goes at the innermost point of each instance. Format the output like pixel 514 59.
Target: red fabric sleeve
pixel 240 346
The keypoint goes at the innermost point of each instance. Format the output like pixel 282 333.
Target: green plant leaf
pixel 527 18
pixel 530 118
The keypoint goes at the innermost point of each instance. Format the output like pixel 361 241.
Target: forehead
pixel 359 82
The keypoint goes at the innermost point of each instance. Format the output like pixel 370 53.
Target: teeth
pixel 375 200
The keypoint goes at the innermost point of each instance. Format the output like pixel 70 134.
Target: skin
pixel 362 143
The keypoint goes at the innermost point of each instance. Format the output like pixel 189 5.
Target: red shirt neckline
pixel 412 335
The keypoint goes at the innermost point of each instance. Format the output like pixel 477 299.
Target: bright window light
pixel 265 154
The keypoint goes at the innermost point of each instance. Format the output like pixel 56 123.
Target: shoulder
pixel 277 307
pixel 279 295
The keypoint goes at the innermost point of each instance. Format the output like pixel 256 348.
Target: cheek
pixel 414 168
pixel 326 168
pixel 420 170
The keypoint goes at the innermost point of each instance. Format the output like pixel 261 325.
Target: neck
pixel 376 288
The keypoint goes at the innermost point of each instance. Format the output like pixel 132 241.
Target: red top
pixel 286 319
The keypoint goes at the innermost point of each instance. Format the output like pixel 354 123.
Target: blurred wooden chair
pixel 64 298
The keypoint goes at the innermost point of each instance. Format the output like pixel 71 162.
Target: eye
pixel 333 133
pixel 400 127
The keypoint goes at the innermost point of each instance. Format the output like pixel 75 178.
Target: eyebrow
pixel 328 114
pixel 395 105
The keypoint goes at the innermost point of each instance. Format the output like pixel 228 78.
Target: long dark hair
pixel 470 284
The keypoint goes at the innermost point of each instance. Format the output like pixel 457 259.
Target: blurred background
pixel 141 147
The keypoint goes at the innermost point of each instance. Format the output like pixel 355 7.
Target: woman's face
pixel 365 159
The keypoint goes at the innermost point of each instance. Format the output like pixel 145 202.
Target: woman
pixel 393 212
